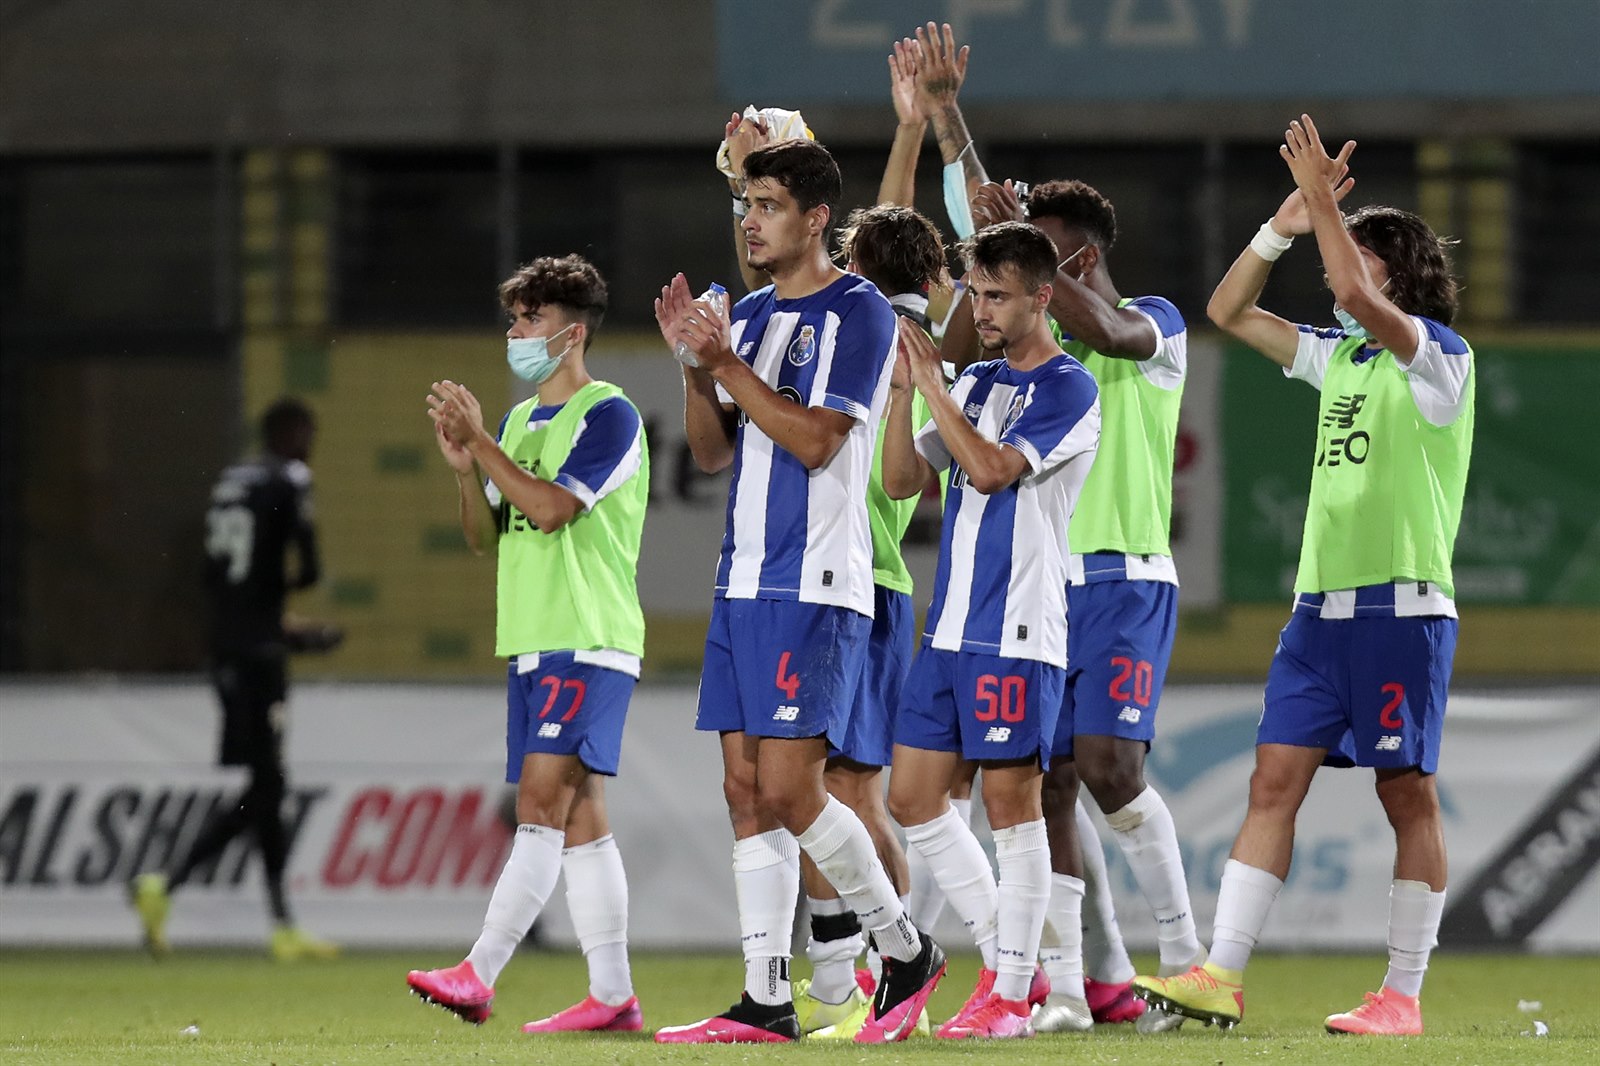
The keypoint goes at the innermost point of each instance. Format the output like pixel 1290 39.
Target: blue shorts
pixel 1119 642
pixel 781 668
pixel 564 707
pixel 1370 690
pixel 869 735
pixel 983 706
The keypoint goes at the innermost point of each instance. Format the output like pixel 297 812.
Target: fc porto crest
pixel 803 348
pixel 1015 412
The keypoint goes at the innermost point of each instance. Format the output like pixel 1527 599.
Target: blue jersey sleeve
pixel 1060 417
pixel 1162 311
pixel 608 451
pixel 856 348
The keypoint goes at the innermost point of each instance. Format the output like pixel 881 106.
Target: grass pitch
pixel 123 1008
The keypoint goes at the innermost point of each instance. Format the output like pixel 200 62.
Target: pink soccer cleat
pixel 592 1016
pixel 1039 989
pixel 1112 1004
pixel 1385 1013
pixel 456 989
pixel 997 1019
pixel 980 995
pixel 866 982
pixel 746 1022
pixel 902 995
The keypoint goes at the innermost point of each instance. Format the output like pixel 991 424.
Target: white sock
pixel 597 898
pixel 1243 903
pixel 926 900
pixel 766 876
pixel 1023 853
pixel 1414 913
pixel 519 895
pixel 1148 838
pixel 963 872
pixel 842 849
pixel 1061 946
pixel 833 961
pixel 1105 957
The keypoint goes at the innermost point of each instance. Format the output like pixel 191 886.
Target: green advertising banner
pixel 1530 528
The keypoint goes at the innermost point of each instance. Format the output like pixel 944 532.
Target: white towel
pixel 784 125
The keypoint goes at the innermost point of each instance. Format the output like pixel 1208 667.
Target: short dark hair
pixel 897 249
pixel 569 282
pixel 1417 259
pixel 1076 204
pixel 803 167
pixel 286 416
pixel 1019 245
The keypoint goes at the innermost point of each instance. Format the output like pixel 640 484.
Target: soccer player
pixel 564 505
pixel 791 394
pixel 1123 594
pixel 1361 671
pixel 260 510
pixel 1017 434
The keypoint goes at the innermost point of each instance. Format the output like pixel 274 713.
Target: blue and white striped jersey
pixel 793 533
pixel 1002 577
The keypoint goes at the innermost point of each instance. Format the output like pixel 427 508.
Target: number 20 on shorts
pixel 1005 698
pixel 1143 675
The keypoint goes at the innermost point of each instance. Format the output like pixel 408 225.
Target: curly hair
pixel 1019 245
pixel 570 282
pixel 1417 259
pixel 896 248
pixel 802 166
pixel 1078 205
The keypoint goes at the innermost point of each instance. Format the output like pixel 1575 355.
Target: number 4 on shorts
pixel 787 682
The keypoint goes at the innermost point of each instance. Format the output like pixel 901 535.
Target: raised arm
pixel 744 136
pixel 899 184
pixel 1233 306
pixel 708 423
pixel 941 68
pixel 1348 276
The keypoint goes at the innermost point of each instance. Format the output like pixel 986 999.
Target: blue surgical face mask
pixel 530 358
pixel 1348 323
pixel 955 200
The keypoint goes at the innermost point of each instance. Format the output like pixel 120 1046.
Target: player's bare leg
pixel 1214 992
pixel 835 999
pixel 1061 944
pixel 597 899
pixel 1416 903
pixel 545 794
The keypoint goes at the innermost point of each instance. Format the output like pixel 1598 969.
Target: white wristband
pixel 739 209
pixel 1268 244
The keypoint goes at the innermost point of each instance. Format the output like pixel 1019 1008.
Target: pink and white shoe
pixel 592 1016
pixel 902 995
pixel 457 989
pixel 1112 1004
pixel 866 982
pixel 746 1022
pixel 980 995
pixel 1039 988
pixel 998 1019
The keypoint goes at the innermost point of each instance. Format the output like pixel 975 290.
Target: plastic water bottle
pixel 717 297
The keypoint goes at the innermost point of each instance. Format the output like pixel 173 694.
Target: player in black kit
pixel 260 509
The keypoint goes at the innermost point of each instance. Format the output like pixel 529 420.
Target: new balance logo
pixel 550 729
pixel 1388 744
pixel 1342 412
pixel 786 713
pixel 997 734
pixel 974 411
pixel 1130 715
pixel 744 349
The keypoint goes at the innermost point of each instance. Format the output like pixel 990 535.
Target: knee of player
pixel 911 804
pixel 1113 784
pixel 793 807
pixel 1274 790
pixel 1409 798
pixel 740 792
pixel 1059 788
